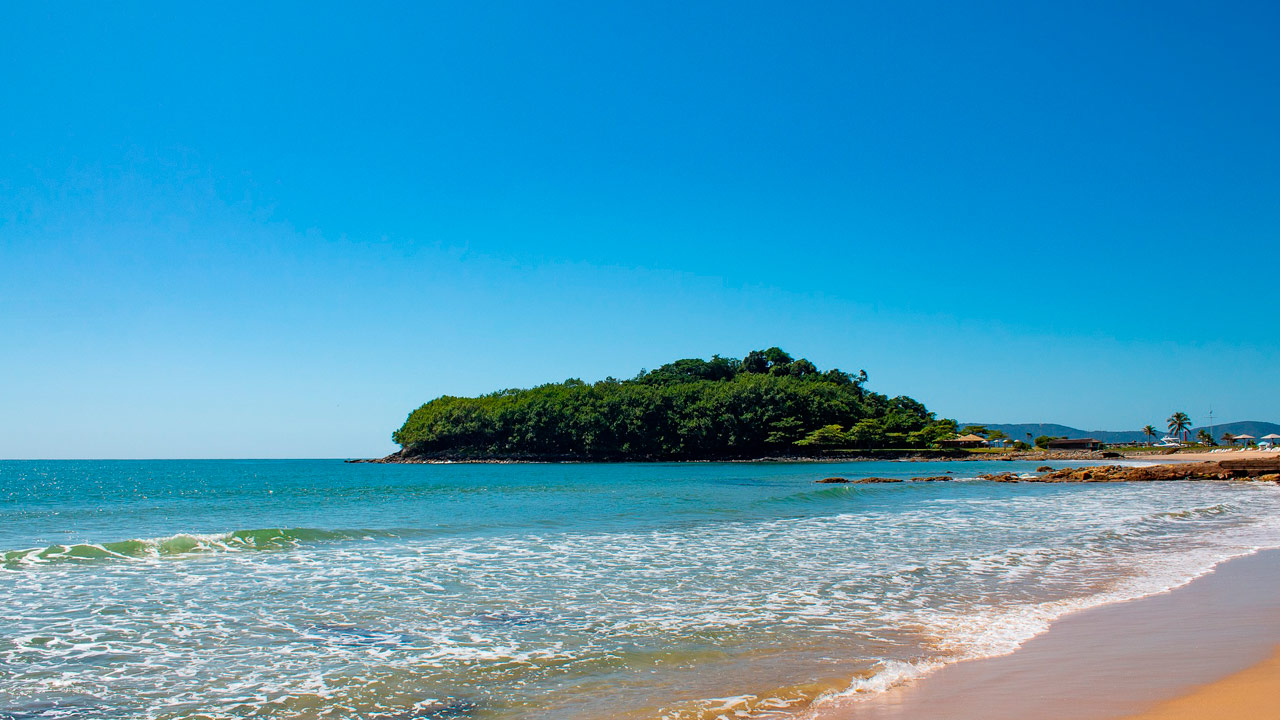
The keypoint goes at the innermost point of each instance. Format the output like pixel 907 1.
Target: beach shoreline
pixel 1250 693
pixel 1224 455
pixel 399 458
pixel 403 458
pixel 1203 649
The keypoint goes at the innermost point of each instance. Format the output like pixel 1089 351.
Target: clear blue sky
pixel 245 231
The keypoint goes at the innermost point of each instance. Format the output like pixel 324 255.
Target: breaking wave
pixel 263 539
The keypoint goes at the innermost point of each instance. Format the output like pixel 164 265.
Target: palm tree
pixel 1228 438
pixel 1203 437
pixel 1179 423
pixel 1150 432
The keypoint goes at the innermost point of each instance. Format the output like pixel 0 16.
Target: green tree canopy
pixel 826 436
pixel 691 408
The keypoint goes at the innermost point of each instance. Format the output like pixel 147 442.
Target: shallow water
pixel 315 589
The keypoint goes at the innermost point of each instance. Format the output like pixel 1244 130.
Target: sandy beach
pixel 1252 693
pixel 1207 649
pixel 1201 456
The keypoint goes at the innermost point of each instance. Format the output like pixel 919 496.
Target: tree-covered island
pixel 767 404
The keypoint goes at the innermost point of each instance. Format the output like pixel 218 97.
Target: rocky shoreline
pixel 1252 470
pixel 1264 470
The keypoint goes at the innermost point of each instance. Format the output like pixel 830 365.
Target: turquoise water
pixel 316 589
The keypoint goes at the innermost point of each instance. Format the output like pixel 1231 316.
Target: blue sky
pixel 239 231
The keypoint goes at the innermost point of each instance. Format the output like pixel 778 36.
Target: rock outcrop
pixel 1258 470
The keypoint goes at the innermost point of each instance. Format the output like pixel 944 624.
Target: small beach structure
pixel 965 441
pixel 1245 438
pixel 1075 444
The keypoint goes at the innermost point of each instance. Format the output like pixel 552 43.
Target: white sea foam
pixel 991 631
pixel 886 590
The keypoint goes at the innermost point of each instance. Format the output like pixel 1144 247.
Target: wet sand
pixel 1113 661
pixel 1253 694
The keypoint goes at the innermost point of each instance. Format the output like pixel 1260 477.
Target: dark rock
pixel 1044 468
pixel 834 480
pixel 878 480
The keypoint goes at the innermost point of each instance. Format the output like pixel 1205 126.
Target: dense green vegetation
pixel 768 403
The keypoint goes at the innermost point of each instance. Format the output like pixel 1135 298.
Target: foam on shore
pixel 1107 662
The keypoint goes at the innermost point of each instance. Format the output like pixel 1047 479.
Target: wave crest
pixel 180 544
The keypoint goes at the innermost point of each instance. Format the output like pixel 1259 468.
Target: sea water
pixel 318 589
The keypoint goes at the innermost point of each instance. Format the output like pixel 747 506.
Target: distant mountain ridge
pixel 1018 431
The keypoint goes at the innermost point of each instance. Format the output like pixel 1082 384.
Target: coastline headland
pixel 409 456
pixel 420 458
pixel 766 407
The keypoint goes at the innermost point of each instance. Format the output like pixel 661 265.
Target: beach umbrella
pixel 1245 438
pixel 1272 436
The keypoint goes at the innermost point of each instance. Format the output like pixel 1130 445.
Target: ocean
pixel 318 589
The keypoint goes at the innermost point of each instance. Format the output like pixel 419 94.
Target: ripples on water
pixel 313 589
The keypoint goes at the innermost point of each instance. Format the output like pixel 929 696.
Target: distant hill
pixel 764 405
pixel 1256 428
pixel 1018 431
